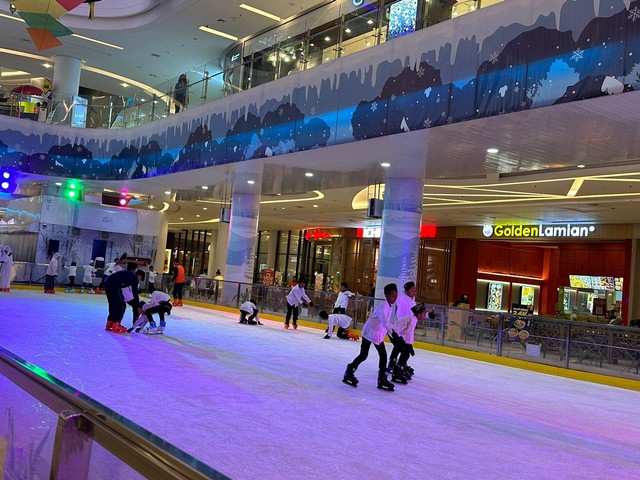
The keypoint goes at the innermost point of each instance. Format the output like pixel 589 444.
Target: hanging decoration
pixel 41 16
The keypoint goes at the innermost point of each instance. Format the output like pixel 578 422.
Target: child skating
pixel 342 322
pixel 402 338
pixel 373 332
pixel 72 271
pixel 88 272
pixel 343 299
pixel 160 304
pixel 296 297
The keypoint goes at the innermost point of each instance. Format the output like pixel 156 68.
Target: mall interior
pixel 487 148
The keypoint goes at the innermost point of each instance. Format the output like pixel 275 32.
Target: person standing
pixel 88 272
pixel 295 298
pixel 402 309
pixel 178 283
pixel 73 269
pixel 113 286
pixel 373 332
pixel 51 274
pixel 181 93
pixel 6 266
pixel 152 279
pixel 343 299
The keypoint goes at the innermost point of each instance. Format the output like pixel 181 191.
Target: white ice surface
pixel 262 402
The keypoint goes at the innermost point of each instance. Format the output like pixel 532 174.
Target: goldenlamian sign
pixel 538 231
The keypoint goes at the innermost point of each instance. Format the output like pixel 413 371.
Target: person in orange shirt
pixel 178 283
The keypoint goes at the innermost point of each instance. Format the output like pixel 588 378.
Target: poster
pixel 518 329
pixel 268 277
pixel 494 296
pixel 527 295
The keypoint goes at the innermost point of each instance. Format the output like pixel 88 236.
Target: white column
pixel 221 249
pixel 213 248
pixel 66 78
pixel 158 262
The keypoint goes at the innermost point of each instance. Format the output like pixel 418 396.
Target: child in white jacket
pixel 160 304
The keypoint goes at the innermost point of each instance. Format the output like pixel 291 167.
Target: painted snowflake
pixel 427 123
pixel 42 156
pixel 393 97
pixel 577 54
pixel 313 110
pixel 374 106
pixel 634 14
pixel 281 112
pixel 493 58
pixel 420 73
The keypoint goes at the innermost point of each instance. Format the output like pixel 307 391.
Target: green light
pixel 72 194
pixel 72 185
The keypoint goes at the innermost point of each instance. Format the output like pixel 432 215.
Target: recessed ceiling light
pixel 204 187
pixel 136 196
pixel 369 21
pixel 278 194
pixel 204 208
pixel 283 208
pixel 124 85
pixel 217 32
pixel 315 206
pixel 385 164
pixel 308 174
pixel 251 182
pixel 327 39
pixel 167 192
pixel 581 166
pixel 259 12
pixel 47 65
pixel 198 216
pixel 492 150
pixel 151 207
pixel 58 184
pixel 347 30
pixel 181 218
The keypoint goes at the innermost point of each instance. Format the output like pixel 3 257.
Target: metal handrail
pixel 80 415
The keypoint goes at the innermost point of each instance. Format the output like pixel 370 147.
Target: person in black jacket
pixel 113 286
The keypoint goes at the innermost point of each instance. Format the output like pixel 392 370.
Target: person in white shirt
pixel 51 274
pixel 72 271
pixel 296 297
pixel 249 308
pixel 6 265
pixel 402 308
pixel 373 332
pixel 160 303
pixel 89 271
pixel 152 279
pixel 342 321
pixel 402 338
pixel 343 299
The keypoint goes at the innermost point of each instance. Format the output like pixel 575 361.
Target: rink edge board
pixel 625 383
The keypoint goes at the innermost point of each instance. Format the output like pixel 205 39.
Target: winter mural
pixel 511 56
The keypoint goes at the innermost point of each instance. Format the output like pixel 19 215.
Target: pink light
pixel 123 201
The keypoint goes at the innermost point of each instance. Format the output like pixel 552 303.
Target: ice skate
pixel 390 366
pixel 353 336
pixel 349 378
pixel 150 330
pixel 326 337
pixel 295 326
pixel 286 325
pixel 406 372
pixel 383 383
pixel 409 370
pixel 109 326
pixel 161 328
pixel 92 291
pixel 398 377
pixel 117 328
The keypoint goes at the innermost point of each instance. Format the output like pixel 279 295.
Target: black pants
pixel 405 354
pixel 251 319
pixel 177 291
pixel 49 282
pixel 399 346
pixel 340 310
pixel 152 287
pixel 291 310
pixel 72 282
pixel 364 353
pixel 159 309
pixel 134 309
pixel 343 333
pixel 117 306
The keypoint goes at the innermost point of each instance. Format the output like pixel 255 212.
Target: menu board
pixel 618 283
pixel 494 296
pixel 580 281
pixel 602 283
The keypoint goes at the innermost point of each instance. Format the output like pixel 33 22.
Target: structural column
pixel 66 78
pixel 400 239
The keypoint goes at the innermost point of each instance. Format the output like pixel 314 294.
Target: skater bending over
pixel 402 339
pixel 343 299
pixel 113 286
pixel 89 271
pixel 342 321
pixel 160 304
pixel 249 308
pixel 373 332
pixel 296 297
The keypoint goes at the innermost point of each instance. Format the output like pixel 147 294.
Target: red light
pixel 428 230
pixel 123 202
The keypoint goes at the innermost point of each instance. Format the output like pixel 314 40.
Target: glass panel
pixel 106 466
pixel 323 45
pixel 360 31
pixel 293 246
pixel 27 431
pixel 283 239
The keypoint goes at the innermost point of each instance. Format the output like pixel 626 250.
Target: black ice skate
pixel 409 370
pixel 383 383
pixel 398 376
pixel 391 366
pixel 349 378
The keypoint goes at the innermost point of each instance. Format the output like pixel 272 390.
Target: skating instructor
pixel 113 286
pixel 178 283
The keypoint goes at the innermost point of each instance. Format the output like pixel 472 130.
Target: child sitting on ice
pixel 249 308
pixel 342 321
pixel 159 304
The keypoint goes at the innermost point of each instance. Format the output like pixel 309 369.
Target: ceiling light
pixel 204 208
pixel 216 32
pixel 17 73
pixel 315 206
pixel 327 39
pixel 581 166
pixel 151 207
pixel 308 174
pixel 492 150
pixel 283 208
pixel 347 30
pixel 181 218
pixel 124 85
pixel 259 12
pixel 204 187
pixel 385 164
pixel 278 194
pixel 168 192
pixel 251 182
pixel 575 186
pixel 58 184
pixel 97 41
pixel 197 216
pixel 47 65
pixel 369 21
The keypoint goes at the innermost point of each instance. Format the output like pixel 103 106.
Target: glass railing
pixel 51 430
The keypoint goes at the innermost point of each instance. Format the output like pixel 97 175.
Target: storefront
pixel 555 269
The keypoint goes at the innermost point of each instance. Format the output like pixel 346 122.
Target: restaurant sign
pixel 537 231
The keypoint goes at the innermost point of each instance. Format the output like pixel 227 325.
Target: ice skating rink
pixel 262 402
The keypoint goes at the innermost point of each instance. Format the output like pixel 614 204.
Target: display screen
pixel 494 296
pixel 527 295
pixel 402 18
pixel 580 281
pixel 602 283
pixel 618 283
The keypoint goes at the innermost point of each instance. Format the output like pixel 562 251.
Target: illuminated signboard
pixel 537 231
pixel 428 230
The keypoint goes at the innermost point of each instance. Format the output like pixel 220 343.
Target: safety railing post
pixel 72 447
